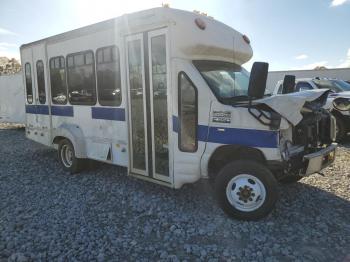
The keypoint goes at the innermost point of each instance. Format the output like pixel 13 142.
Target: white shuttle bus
pixel 162 92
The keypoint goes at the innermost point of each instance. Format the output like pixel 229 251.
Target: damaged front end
pixel 306 142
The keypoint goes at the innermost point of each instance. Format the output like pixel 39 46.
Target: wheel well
pixel 226 154
pixel 58 139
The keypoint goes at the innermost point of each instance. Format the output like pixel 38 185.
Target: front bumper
pixel 318 160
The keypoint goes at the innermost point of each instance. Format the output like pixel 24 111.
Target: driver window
pixel 188 114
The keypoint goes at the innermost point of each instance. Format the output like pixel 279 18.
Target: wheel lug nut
pixel 237 194
pixel 250 199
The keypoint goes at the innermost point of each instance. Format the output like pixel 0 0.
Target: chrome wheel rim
pixel 67 156
pixel 246 192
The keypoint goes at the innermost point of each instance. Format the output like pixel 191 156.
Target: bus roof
pixel 216 41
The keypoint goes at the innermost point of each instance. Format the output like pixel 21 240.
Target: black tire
pixel 243 167
pixel 341 129
pixel 290 179
pixel 74 165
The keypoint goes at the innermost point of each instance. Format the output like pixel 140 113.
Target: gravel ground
pixel 103 215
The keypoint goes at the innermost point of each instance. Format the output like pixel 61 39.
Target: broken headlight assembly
pixel 341 104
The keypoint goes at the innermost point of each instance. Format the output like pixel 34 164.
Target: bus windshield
pixel 228 81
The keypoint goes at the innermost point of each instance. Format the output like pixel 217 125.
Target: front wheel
pixel 246 190
pixel 66 155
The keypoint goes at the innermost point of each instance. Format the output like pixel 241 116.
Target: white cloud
pixel 346 61
pixel 6 46
pixel 4 31
pixel 338 2
pixel 302 56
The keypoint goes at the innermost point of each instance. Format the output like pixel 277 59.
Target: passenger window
pixel 41 81
pixel 81 78
pixel 302 86
pixel 188 114
pixel 108 76
pixel 29 87
pixel 58 80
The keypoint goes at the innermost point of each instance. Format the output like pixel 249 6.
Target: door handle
pixel 221 129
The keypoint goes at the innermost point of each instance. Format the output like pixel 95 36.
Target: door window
pixel 188 114
pixel 160 110
pixel 41 81
pixel 137 105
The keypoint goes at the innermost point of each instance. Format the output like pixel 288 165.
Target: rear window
pixel 29 86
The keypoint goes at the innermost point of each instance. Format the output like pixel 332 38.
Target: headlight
pixel 341 103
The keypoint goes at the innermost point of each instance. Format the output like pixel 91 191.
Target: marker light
pixel 200 23
pixel 246 39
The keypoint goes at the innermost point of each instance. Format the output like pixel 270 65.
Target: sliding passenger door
pixel 147 75
pixel 41 93
pixel 37 104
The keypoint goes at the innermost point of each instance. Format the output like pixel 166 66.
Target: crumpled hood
pixel 289 105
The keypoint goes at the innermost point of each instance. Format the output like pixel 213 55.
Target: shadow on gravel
pixel 346 143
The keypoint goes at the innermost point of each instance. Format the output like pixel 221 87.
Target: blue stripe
pixel 30 109
pixel 234 136
pixel 108 113
pixel 246 137
pixel 37 109
pixel 62 111
pixel 42 109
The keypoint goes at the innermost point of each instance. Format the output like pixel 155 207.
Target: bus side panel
pixel 103 132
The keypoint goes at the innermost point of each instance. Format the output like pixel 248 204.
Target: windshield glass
pixel 334 85
pixel 226 80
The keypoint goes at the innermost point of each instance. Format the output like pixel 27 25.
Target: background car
pixel 338 100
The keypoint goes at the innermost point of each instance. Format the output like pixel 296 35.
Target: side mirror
pixel 257 80
pixel 288 84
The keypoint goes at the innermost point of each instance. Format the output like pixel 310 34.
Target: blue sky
pixel 289 34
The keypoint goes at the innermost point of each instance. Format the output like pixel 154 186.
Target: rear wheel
pixel 246 190
pixel 66 155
